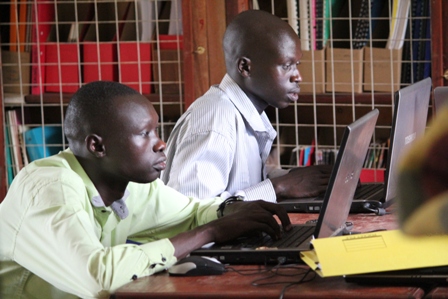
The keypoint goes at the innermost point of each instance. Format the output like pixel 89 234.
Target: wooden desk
pixel 361 222
pixel 234 285
pixel 438 293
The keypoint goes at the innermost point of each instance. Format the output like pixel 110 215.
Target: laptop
pixel 408 123
pixel 431 276
pixel 261 249
pixel 440 97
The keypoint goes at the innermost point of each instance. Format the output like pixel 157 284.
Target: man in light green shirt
pixel 94 217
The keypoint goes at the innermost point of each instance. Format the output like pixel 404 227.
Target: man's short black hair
pixel 93 102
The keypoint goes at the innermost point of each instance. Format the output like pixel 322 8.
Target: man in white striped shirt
pixel 221 143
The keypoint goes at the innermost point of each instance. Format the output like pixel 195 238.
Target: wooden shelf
pixel 55 98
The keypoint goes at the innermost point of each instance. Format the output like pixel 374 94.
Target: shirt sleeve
pixel 58 239
pixel 263 190
pixel 201 169
pixel 202 166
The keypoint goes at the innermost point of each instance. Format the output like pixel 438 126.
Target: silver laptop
pixel 261 249
pixel 440 97
pixel 409 122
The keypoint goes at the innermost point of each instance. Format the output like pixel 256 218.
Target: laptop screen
pixel 409 123
pixel 345 176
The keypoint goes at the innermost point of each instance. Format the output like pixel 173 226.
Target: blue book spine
pixel 9 166
pixel 43 142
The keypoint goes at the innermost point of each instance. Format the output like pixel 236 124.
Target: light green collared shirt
pixel 58 240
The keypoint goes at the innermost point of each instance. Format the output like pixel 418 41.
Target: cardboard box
pixel 167 73
pixel 100 61
pixel 62 72
pixel 344 70
pixel 62 53
pixel 312 78
pixel 16 71
pixel 384 74
pixel 134 54
pixel 135 65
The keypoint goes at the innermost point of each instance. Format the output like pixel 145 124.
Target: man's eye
pixel 286 66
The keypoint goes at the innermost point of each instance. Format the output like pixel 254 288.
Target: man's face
pixel 274 76
pixel 134 150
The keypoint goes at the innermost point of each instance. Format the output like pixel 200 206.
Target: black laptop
pixel 408 123
pixel 261 249
pixel 429 277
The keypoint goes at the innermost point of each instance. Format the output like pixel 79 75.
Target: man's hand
pixel 256 214
pixel 240 218
pixel 302 182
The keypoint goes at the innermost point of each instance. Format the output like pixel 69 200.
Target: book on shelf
pixel 43 141
pixel 15 71
pixel 14 25
pixel 312 18
pixel 350 24
pixel 23 11
pixel 304 27
pixel 292 11
pixel 134 55
pixel 399 20
pixel 13 124
pixel 175 24
pixel 303 155
pixel 319 23
pixel 13 98
pixel 376 155
pixel 99 42
pixel 421 39
pixel 379 23
pixel 63 65
pixel 22 130
pixel 10 172
pixel 327 16
pixel 42 15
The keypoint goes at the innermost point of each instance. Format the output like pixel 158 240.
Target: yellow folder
pixel 375 252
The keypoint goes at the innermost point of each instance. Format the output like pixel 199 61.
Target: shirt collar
pixel 259 122
pixel 119 206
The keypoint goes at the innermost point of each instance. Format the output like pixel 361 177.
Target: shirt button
pixel 163 259
pixel 152 266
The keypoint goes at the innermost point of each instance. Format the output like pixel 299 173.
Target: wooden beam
pixel 234 7
pixel 215 32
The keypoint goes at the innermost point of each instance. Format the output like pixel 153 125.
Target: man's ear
pixel 244 66
pixel 95 145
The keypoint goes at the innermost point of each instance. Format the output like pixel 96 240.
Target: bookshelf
pixel 198 63
pixel 339 88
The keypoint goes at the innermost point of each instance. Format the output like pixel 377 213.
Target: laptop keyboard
pixel 296 236
pixel 366 190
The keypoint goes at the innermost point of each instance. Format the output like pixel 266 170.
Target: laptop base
pixel 255 258
pixel 315 206
pixel 433 276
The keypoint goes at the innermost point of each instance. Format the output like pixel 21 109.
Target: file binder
pixel 375 252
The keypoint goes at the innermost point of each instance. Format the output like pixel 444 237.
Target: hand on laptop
pixel 244 217
pixel 301 182
pixel 240 218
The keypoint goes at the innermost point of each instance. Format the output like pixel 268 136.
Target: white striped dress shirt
pixel 219 146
